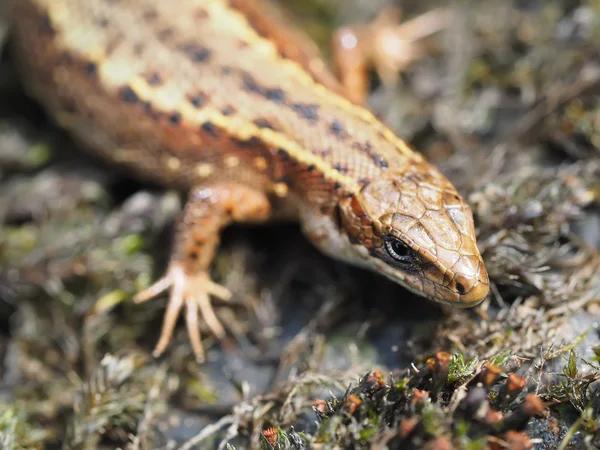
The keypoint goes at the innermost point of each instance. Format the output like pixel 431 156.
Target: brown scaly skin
pixel 224 100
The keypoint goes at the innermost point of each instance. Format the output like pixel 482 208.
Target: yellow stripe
pixel 120 72
pixel 239 128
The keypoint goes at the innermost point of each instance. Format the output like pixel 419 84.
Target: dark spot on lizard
pixel 283 154
pixel 263 123
pixel 196 52
pixel 128 95
pixel 251 85
pixel 91 69
pixel 152 78
pixel 210 128
pixel 379 161
pixel 311 168
pixel 175 118
pixel 228 110
pixel 275 95
pixel 252 142
pixel 341 169
pixel 337 129
pixel 198 100
pixel 306 111
pixel 376 158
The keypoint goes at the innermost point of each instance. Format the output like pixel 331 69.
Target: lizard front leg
pixel 385 44
pixel 209 209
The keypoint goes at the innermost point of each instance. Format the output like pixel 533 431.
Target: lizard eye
pixel 400 252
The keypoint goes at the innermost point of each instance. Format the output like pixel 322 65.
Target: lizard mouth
pixel 469 292
pixel 460 298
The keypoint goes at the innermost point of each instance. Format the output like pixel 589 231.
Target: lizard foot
pixel 193 291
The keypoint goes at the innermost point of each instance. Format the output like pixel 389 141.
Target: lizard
pixel 227 102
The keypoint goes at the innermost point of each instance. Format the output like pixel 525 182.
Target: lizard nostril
pixel 460 288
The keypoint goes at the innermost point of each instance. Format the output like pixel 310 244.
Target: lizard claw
pixel 193 291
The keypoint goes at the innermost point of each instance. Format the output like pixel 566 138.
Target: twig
pixel 206 432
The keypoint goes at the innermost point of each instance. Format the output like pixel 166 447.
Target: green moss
pixel 461 368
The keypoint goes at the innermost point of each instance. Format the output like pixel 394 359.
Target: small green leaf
pixel 38 154
pixel 461 368
pixel 130 244
pixel 501 358
pixel 109 301
pixel 570 369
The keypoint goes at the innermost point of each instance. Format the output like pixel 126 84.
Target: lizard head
pixel 417 230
